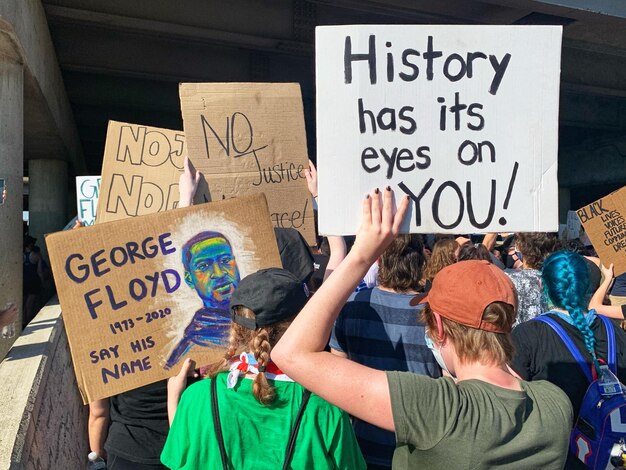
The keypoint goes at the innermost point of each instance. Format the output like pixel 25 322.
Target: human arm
pixel 175 387
pixel 338 353
pixel 361 391
pixel 311 179
pixel 336 244
pixel 98 426
pixel 462 241
pixel 8 315
pixel 188 184
pixel 338 252
pixel 490 240
pixel 597 300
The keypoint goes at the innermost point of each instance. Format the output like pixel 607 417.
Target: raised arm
pixel 311 179
pixel 337 244
pixel 188 184
pixel 361 391
pixel 490 240
pixel 597 300
pixel 338 252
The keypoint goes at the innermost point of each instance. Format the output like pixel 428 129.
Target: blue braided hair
pixel 566 286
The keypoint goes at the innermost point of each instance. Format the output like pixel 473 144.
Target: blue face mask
pixel 437 353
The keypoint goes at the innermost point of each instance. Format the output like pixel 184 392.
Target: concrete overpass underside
pixel 123 60
pixel 67 67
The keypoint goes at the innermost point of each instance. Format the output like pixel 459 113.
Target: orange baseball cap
pixel 461 292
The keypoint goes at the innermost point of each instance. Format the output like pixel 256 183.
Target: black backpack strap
pixel 306 394
pixel 216 422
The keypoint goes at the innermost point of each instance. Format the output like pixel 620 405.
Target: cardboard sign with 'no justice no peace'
pixel 462 119
pixel 248 138
pixel 139 295
pixel 140 171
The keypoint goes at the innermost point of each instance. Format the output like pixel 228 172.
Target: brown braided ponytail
pixel 238 339
pixel 259 342
pixel 261 348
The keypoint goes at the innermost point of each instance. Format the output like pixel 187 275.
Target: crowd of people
pixel 406 351
pixel 37 288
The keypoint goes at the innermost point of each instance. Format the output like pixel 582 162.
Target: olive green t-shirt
pixel 476 425
pixel 256 436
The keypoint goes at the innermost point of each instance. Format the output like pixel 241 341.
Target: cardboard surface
pixel 140 171
pixel 248 138
pixel 605 224
pixel 464 119
pixel 131 307
pixel 87 192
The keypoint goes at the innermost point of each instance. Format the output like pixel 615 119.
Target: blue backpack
pixel 599 434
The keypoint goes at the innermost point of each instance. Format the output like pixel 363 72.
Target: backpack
pixel 599 434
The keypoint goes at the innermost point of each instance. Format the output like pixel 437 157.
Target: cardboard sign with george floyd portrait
pixel 141 294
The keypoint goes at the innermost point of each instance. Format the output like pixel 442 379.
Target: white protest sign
pixel 87 192
pixel 573 225
pixel 463 119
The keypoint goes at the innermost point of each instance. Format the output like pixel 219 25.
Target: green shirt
pixel 476 425
pixel 255 435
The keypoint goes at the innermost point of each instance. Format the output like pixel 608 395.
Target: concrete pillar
pixel 11 171
pixel 47 201
pixel 564 203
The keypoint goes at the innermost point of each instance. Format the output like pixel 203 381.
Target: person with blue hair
pixel 541 355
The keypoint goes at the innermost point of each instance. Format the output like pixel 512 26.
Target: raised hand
pixel 379 224
pixel 311 179
pixel 188 184
pixel 607 272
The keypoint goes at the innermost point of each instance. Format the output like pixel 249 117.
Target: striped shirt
pixel 381 330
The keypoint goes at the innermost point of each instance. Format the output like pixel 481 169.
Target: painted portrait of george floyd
pixel 216 253
pixel 211 270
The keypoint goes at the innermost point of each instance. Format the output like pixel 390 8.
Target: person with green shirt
pixel 248 414
pixel 481 416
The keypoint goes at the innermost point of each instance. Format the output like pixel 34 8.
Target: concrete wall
pixel 49 122
pixel 42 418
pixel 11 170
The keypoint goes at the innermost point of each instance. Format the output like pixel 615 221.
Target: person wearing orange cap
pixel 481 417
